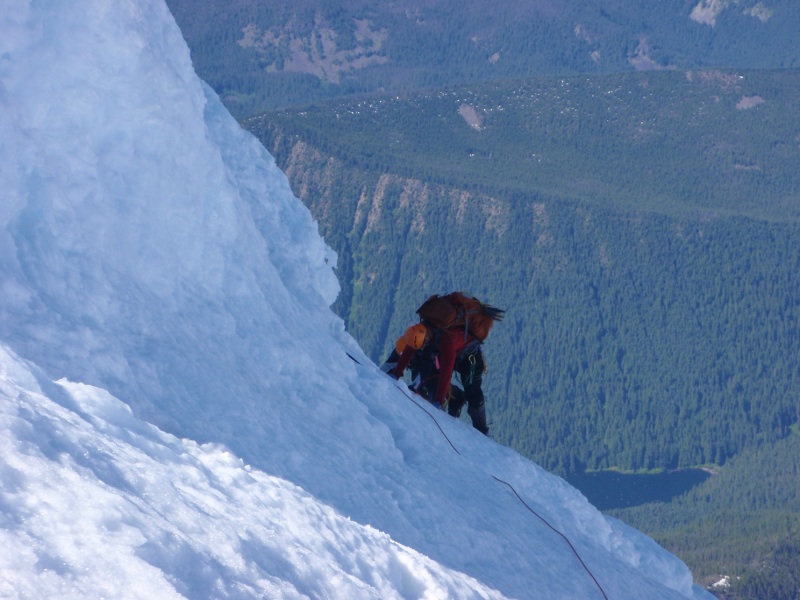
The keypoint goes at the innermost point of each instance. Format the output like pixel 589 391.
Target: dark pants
pixel 470 370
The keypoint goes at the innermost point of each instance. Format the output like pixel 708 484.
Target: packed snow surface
pixel 182 415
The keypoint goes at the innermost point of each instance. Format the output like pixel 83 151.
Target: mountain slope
pixel 261 57
pixel 157 266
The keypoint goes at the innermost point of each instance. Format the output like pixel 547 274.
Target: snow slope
pixel 181 413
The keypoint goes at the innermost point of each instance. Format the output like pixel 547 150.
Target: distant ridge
pixel 260 57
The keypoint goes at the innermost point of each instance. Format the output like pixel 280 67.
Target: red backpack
pixel 457 310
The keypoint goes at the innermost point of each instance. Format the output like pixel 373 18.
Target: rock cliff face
pixel 317 51
pixel 316 177
pixel 707 11
pixel 392 233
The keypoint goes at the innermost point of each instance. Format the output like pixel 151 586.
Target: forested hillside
pixel 264 55
pixel 743 521
pixel 647 326
pixel 678 143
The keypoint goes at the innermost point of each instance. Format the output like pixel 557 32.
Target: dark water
pixel 609 489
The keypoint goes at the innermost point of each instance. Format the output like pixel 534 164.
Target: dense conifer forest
pixel 648 326
pixel 745 521
pixel 675 143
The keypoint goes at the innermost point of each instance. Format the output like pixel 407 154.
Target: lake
pixel 611 489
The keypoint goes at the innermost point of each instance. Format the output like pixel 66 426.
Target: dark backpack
pixel 460 311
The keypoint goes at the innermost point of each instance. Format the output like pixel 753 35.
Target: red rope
pixel 432 417
pixel 525 504
pixel 566 539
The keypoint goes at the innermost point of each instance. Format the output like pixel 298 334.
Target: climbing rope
pixel 432 417
pixel 566 539
pixel 511 487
